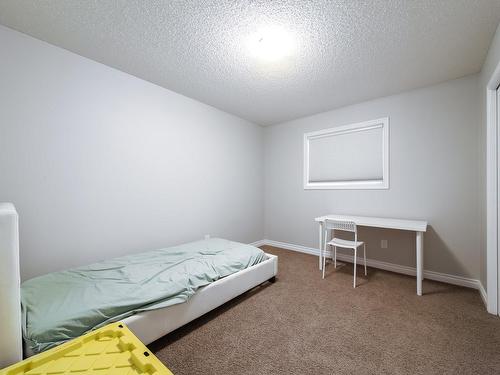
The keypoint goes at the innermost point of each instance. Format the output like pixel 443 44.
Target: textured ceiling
pixel 345 51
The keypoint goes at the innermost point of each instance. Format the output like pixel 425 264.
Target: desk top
pixel 380 222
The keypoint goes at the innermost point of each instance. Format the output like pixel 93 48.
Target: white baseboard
pixel 484 295
pixel 431 275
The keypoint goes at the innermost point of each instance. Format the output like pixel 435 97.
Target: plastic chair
pixel 348 226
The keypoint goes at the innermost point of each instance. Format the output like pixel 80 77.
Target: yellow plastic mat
pixel 110 350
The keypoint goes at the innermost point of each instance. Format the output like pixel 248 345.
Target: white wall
pixel 491 62
pixel 100 163
pixel 434 159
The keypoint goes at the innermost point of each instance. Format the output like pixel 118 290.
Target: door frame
pixel 492 192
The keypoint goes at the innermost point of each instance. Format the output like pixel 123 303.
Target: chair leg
pixel 324 263
pixel 364 251
pixel 335 256
pixel 355 256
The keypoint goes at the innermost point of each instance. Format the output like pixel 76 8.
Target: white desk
pixel 417 226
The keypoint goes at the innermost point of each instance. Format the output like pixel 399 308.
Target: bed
pixel 217 281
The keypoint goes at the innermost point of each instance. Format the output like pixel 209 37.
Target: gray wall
pixel 434 175
pixel 491 62
pixel 100 163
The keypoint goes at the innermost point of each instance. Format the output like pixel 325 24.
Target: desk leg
pixel 321 225
pixel 420 261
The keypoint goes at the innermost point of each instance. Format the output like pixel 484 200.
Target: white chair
pixel 348 226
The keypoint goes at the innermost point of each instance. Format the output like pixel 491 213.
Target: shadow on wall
pixel 401 248
pixel 442 258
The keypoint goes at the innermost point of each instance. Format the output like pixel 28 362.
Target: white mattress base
pixel 151 325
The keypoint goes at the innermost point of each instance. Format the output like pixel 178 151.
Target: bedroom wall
pixel 491 62
pixel 100 163
pixel 434 175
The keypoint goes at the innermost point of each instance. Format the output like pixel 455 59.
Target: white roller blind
pixel 354 156
pixel 349 156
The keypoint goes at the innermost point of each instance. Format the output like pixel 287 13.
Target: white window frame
pixel 351 128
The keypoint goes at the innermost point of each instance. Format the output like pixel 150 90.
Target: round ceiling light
pixel 271 44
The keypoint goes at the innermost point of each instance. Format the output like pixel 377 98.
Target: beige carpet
pixel 305 325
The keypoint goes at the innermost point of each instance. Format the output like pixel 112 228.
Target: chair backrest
pixel 345 225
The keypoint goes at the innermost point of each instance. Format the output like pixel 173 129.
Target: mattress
pixel 63 305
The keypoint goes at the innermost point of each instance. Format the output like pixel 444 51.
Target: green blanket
pixel 63 305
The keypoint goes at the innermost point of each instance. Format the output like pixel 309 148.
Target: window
pixel 354 156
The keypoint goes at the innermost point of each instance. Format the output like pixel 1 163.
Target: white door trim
pixel 492 192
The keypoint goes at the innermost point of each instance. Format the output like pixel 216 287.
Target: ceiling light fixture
pixel 271 44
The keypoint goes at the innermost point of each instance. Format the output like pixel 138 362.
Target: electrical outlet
pixel 207 236
pixel 384 244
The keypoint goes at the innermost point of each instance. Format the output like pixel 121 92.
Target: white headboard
pixel 11 345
